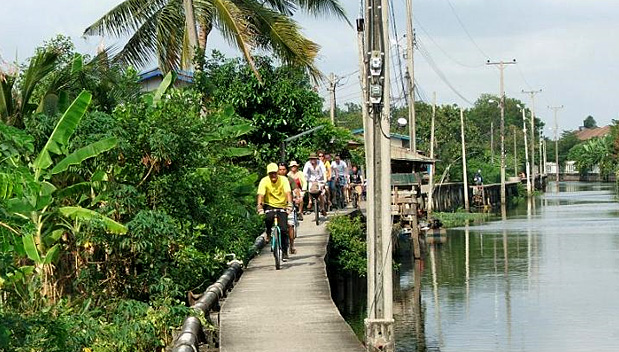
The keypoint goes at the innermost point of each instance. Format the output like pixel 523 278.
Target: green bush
pixel 348 248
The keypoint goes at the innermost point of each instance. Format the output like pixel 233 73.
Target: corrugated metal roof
pixel 589 133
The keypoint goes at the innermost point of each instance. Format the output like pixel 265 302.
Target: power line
pixel 440 73
pixel 465 30
pixel 419 25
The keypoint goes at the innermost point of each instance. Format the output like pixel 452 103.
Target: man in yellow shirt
pixel 274 193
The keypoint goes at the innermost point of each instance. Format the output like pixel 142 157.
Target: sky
pixel 567 48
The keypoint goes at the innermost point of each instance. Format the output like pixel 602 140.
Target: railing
pixel 192 333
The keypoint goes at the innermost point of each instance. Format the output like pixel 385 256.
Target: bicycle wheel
pixel 316 210
pixel 296 222
pixel 355 198
pixel 277 247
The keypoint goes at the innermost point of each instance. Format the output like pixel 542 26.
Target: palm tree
pixel 158 27
pixel 15 100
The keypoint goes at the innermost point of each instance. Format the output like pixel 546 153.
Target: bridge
pixel 288 309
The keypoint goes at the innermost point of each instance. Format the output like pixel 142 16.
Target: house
pixel 150 80
pixel 405 164
pixel 585 134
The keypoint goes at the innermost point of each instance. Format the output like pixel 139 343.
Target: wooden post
pixel 464 177
pixel 431 191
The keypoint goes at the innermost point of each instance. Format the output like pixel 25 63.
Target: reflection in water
pixel 485 292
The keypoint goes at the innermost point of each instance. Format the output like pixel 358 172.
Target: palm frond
pixel 142 46
pixel 282 36
pixel 235 27
pixel 286 7
pixel 323 7
pixel 7 103
pixel 170 36
pixel 126 18
pixel 42 64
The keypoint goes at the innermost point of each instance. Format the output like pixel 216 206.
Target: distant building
pixel 150 80
pixel 585 134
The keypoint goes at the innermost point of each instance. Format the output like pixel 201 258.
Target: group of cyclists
pixel 285 186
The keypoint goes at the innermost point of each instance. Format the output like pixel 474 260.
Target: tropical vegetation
pixel 162 28
pixel 116 204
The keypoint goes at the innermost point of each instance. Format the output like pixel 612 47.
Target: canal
pixel 544 278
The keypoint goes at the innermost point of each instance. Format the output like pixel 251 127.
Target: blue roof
pixel 393 135
pixel 181 75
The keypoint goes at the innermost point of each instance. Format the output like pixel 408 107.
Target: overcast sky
pixel 567 48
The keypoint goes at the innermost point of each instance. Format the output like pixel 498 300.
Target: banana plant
pixel 33 200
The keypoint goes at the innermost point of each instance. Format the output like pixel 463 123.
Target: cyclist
pixel 315 174
pixel 299 179
pixel 339 175
pixel 274 193
pixel 283 171
pixel 356 182
pixel 325 159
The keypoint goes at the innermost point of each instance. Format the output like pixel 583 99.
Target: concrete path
pixel 288 309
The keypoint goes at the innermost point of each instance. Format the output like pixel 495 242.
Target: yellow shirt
pixel 274 193
pixel 328 168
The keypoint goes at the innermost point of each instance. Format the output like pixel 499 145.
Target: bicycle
pixel 340 202
pixel 355 194
pixel 276 238
pixel 295 219
pixel 316 200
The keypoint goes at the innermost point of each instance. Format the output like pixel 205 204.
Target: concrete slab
pixel 289 309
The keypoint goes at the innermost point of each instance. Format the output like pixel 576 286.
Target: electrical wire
pixel 453 9
pixel 440 73
pixel 449 56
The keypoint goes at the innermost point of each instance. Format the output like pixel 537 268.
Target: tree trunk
pixel 190 25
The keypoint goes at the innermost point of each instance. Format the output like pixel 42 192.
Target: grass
pixel 460 218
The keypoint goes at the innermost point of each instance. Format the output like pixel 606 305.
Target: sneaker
pixel 285 257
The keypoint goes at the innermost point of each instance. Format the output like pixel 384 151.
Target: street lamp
pixel 526 150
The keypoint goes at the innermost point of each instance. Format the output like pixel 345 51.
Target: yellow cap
pixel 272 167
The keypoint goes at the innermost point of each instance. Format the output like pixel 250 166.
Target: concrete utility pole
pixel 410 70
pixel 556 110
pixel 333 82
pixel 464 174
pixel 515 154
pixel 543 153
pixel 532 95
pixel 526 151
pixel 363 78
pixel 379 323
pixel 501 65
pixel 492 142
pixel 431 191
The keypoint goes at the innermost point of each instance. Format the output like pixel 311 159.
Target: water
pixel 546 278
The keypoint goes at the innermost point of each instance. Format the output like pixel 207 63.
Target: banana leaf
pixel 87 152
pixel 83 214
pixel 63 131
pixel 31 248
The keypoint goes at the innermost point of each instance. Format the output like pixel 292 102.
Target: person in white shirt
pixel 316 176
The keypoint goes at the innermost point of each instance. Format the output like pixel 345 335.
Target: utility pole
pixel 379 322
pixel 410 70
pixel 532 95
pixel 542 150
pixel 526 152
pixel 363 79
pixel 431 191
pixel 492 142
pixel 556 110
pixel 464 174
pixel 333 82
pixel 501 65
pixel 515 154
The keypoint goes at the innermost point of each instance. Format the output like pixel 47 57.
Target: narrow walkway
pixel 288 309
